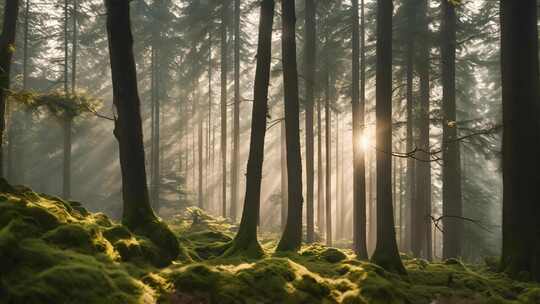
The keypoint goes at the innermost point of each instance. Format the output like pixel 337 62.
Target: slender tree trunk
pixel 74 46
pixel 66 166
pixel 284 190
pixel 292 235
pixel 372 206
pixel 422 209
pixel 452 201
pixel 338 220
pixel 411 162
pixel 236 115
pixel 343 212
pixel 223 104
pixel 208 175
pixel 7 48
pixel 309 75
pixel 246 239
pixel 358 108
pixel 199 116
pixel 328 149
pixel 128 124
pixel 386 252
pixel 320 173
pixel 156 111
pixel 521 137
pixel 137 212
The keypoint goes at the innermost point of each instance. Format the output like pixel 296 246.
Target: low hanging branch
pixel 436 222
pixel 60 104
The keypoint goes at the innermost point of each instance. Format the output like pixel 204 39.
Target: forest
pixel 263 151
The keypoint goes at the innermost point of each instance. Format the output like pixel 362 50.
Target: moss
pixel 333 255
pixel 159 233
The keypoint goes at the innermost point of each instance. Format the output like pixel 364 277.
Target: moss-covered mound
pixel 53 251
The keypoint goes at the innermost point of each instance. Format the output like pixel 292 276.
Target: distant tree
pixel 358 108
pixel 521 137
pixel 236 113
pixel 421 205
pixel 246 239
pixel 451 169
pixel 137 211
pixel 291 239
pixel 386 252
pixel 310 53
pixel 7 48
pixel 223 102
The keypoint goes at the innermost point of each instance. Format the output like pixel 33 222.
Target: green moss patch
pixel 53 251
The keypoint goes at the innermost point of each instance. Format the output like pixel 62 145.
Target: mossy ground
pixel 52 251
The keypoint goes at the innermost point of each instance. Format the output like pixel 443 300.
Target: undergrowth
pixel 53 251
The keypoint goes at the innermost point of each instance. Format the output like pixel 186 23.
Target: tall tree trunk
pixel 411 162
pixel 74 45
pixel 7 48
pixel 452 201
pixel 156 111
pixel 386 252
pixel 284 190
pixel 208 175
pixel 328 149
pixel 358 109
pixel 521 137
pixel 200 158
pixel 246 239
pixel 421 207
pixel 309 75
pixel 338 220
pixel 223 105
pixel 292 235
pixel 66 167
pixel 137 212
pixel 236 113
pixel 320 173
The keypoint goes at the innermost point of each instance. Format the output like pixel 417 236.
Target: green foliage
pixel 57 103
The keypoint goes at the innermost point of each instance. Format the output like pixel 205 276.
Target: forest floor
pixel 52 251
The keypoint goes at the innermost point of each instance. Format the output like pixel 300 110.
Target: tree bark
pixel 451 170
pixel 137 212
pixel 411 162
pixel 421 206
pixel 223 105
pixel 309 75
pixel 521 137
pixel 7 48
pixel 292 235
pixel 236 114
pixel 358 109
pixel 284 190
pixel 386 252
pixel 328 154
pixel 320 173
pixel 246 239
pixel 128 125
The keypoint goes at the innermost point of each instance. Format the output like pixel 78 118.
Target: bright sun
pixel 364 142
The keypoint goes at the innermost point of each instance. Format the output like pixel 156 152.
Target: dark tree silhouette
pixel 291 239
pixel 137 212
pixel 246 239
pixel 521 137
pixel 309 75
pixel 386 252
pixel 358 106
pixel 7 48
pixel 452 201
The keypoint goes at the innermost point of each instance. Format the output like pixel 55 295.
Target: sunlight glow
pixel 364 142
